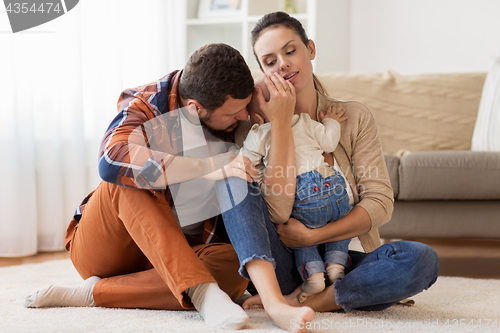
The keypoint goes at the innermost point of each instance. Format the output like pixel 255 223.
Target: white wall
pixel 332 35
pixel 422 36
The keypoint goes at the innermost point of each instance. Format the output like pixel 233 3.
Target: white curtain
pixel 59 84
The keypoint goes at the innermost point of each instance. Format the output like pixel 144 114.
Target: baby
pixel 320 196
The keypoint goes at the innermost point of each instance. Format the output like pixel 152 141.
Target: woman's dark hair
pixel 214 72
pixel 282 19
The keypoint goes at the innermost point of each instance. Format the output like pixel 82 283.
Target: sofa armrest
pixel 449 175
pixel 392 162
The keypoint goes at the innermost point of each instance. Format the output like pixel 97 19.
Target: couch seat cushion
pixel 449 175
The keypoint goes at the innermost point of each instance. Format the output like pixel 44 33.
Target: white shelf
pixel 215 21
pixel 298 16
pixel 234 19
pixel 235 29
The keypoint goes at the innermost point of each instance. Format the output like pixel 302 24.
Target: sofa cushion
pixel 415 112
pixel 443 219
pixel 486 135
pixel 392 162
pixel 449 175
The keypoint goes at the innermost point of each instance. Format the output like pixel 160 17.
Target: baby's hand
pixel 331 113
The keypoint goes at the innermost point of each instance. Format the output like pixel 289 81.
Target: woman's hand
pixel 295 234
pixel 280 106
pixel 231 164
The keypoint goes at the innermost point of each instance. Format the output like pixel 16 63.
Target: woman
pixel 375 280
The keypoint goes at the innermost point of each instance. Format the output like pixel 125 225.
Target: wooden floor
pixel 40 257
pixel 468 258
pixel 457 257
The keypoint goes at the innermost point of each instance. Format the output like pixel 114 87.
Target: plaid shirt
pixel 137 158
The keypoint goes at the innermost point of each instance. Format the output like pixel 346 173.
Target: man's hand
pixel 231 164
pixel 331 113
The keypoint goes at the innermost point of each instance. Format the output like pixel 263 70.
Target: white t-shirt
pixel 195 200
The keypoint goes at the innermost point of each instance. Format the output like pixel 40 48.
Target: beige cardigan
pixel 359 155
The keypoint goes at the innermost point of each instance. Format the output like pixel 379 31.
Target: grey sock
pixel 335 271
pixel 314 283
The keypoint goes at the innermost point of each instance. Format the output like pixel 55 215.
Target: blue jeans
pixel 374 281
pixel 318 201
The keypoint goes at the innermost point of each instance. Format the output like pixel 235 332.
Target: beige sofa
pixel 442 189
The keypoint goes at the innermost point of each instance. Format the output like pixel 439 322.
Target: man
pixel 131 239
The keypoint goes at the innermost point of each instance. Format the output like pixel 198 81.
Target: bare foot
pixel 288 317
pixel 293 297
pixel 324 301
pixel 253 302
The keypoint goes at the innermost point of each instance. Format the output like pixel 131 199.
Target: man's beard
pixel 224 135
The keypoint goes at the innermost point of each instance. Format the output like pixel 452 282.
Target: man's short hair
pixel 213 73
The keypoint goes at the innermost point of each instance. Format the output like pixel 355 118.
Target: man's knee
pixel 219 256
pixel 222 262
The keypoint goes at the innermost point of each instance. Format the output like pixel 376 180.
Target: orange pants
pixel 131 239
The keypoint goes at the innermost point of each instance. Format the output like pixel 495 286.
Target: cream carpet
pixel 451 305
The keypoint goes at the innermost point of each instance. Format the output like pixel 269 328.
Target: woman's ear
pixel 312 49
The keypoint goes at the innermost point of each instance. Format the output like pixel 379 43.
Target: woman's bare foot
pixel 287 317
pixel 253 302
pixel 324 301
pixel 290 318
